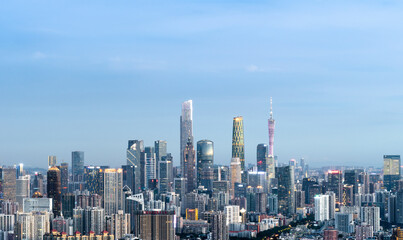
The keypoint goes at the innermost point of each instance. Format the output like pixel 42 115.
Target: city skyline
pixel 251 160
pixel 335 81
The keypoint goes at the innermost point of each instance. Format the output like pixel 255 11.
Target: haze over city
pixel 89 77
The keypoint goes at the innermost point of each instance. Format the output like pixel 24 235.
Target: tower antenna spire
pixel 271 108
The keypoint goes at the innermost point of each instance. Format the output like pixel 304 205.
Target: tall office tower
pixel 64 174
pixel 236 174
pixel 129 177
pixel 262 155
pixel 186 129
pixel 51 161
pixel 37 184
pixel 286 193
pixel 189 166
pixel 68 204
pixel 165 174
pixel 322 208
pixel 344 222
pixel 150 165
pixel 335 183
pixel 20 170
pixel 205 160
pixel 271 129
pixel 113 190
pixel 371 216
pixel 391 171
pixel 23 188
pixel 95 180
pixel 364 231
pixel 54 189
pixel 238 146
pixel 219 229
pixel 155 225
pixel 180 187
pixel 8 182
pixel 299 199
pixel 351 178
pixel 160 151
pixel 77 166
pixel 133 153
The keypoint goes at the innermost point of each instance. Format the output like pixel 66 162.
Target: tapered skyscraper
pixel 186 128
pixel 271 129
pixel 238 146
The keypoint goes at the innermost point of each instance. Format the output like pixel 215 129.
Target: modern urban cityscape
pixel 201 120
pixel 149 198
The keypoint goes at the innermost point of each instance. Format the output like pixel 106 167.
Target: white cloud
pixel 253 68
pixel 39 55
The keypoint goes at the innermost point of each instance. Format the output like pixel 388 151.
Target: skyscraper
pixel 64 174
pixel 165 174
pixel 322 208
pixel 23 189
pixel 129 176
pixel 391 171
pixel 51 161
pixel 238 146
pixel 186 128
pixel 150 166
pixel 160 147
pixel 286 193
pixel 271 129
pixel 133 153
pixel 54 189
pixel 77 166
pixel 262 153
pixel 205 160
pixel 94 179
pixel 113 190
pixel 8 182
pixel 335 183
pixel 236 174
pixel 189 166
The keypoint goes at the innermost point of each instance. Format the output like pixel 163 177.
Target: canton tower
pixel 271 129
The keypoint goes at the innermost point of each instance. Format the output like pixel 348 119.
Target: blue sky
pixel 90 75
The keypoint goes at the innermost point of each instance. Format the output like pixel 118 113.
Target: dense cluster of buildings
pixel 151 199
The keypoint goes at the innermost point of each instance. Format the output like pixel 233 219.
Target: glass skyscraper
pixel 77 166
pixel 205 160
pixel 186 128
pixel 133 155
pixel 262 154
pixel 391 171
pixel 165 174
pixel 238 146
pixel 286 193
pixel 54 189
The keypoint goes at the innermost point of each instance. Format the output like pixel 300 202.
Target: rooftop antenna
pixel 271 108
